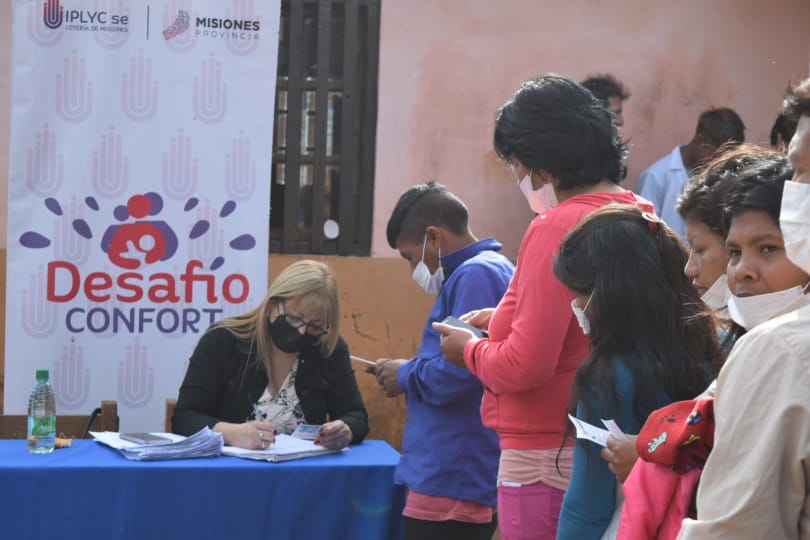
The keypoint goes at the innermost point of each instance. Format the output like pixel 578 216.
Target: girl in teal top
pixel 649 335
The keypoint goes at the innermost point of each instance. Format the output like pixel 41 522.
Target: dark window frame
pixel 323 156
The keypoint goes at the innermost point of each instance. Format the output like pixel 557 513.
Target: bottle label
pixel 42 427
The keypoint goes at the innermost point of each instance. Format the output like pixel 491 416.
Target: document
pixel 595 434
pixel 285 448
pixel 204 443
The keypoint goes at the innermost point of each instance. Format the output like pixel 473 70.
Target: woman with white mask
pixel 566 153
pixel 762 279
pixel 701 207
pixel 708 215
pixel 755 482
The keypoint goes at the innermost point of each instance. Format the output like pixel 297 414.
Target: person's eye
pixel 733 253
pixel 770 249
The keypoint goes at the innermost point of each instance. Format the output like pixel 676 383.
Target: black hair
pixel 420 207
pixel 555 125
pixel 758 187
pixel 704 198
pixel 719 126
pixel 642 309
pixel 785 127
pixel 604 86
pixel 797 100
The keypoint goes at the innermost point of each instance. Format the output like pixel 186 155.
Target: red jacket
pixel 535 345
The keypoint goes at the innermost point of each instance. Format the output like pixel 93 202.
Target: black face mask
pixel 287 338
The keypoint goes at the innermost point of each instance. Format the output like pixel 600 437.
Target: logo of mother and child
pixel 139 240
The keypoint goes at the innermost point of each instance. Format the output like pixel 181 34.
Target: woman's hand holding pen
pixel 335 435
pixel 253 435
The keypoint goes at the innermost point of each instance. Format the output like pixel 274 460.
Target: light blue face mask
pixel 579 313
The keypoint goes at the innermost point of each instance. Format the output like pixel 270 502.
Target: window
pixel 325 127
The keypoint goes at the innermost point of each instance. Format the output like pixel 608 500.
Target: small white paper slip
pixel 614 429
pixel 362 361
pixel 590 432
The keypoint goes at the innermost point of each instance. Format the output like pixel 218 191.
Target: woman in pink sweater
pixel 566 152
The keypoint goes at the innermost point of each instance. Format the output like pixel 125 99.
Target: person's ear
pixel 434 236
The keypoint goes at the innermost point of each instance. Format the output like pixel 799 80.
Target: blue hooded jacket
pixel 446 450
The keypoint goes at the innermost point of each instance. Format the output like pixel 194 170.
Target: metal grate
pixel 325 126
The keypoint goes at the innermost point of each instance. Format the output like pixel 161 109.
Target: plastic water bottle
pixel 42 416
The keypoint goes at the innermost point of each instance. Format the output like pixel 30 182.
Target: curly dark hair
pixel 555 125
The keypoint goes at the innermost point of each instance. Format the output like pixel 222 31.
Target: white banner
pixel 141 138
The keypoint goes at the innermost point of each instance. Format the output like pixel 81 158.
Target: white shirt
pixel 662 183
pixel 756 480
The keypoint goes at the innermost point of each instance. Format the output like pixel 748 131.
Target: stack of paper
pixel 285 448
pixel 204 443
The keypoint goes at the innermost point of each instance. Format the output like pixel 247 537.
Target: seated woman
pixel 277 366
pixel 649 337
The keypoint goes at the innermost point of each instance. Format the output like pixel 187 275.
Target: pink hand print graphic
pixel 209 101
pixel 45 166
pixel 71 380
pixel 136 378
pixel 74 93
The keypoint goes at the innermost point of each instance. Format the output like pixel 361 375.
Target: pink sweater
pixel 535 345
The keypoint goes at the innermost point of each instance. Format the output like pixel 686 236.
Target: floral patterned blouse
pixel 283 409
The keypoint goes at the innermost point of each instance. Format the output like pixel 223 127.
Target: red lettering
pixel 189 277
pixel 167 293
pixel 73 272
pixel 127 285
pixel 64 282
pixel 226 288
pixel 97 282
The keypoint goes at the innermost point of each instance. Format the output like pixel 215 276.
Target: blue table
pixel 90 492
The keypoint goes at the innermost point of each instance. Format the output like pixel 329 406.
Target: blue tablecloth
pixel 91 492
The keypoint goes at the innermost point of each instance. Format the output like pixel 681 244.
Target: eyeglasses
pixel 312 329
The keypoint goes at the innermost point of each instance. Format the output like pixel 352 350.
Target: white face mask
pixel 794 220
pixel 579 313
pixel 541 199
pixel 432 283
pixel 716 296
pixel 751 311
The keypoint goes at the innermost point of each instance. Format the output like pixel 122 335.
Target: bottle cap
pixel 42 375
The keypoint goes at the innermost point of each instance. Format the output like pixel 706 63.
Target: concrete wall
pixel 446 66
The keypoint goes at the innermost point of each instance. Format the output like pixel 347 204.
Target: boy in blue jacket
pixel 449 459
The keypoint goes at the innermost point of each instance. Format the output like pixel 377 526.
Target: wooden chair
pixel 71 426
pixel 170 403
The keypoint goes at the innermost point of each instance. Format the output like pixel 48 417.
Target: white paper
pixel 362 361
pixel 614 429
pixel 589 432
pixel 204 443
pixel 285 447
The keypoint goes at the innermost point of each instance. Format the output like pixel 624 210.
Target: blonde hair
pixel 312 287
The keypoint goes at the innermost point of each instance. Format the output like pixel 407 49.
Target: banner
pixel 139 195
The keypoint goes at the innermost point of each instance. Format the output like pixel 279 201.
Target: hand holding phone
pixel 458 323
